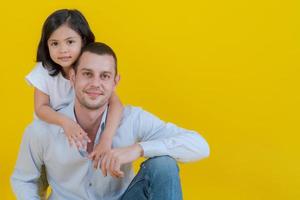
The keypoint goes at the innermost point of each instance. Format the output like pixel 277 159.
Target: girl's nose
pixel 63 48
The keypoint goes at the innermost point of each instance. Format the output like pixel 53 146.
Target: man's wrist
pixel 140 149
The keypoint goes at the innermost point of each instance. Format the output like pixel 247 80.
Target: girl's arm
pixel 42 108
pixel 114 116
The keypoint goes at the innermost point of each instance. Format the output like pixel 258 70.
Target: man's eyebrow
pixel 108 72
pixel 90 70
pixel 85 69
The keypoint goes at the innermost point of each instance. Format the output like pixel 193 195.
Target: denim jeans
pixel 157 179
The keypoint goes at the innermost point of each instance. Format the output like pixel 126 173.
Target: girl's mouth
pixel 65 58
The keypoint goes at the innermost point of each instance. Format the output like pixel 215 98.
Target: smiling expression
pixel 64 46
pixel 94 80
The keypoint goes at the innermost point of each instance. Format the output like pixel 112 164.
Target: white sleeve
pixel 39 78
pixel 25 177
pixel 159 138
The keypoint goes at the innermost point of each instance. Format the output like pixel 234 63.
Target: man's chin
pixel 93 106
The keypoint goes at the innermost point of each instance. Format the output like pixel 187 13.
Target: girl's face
pixel 64 46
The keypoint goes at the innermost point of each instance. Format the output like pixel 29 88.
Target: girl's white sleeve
pixel 39 78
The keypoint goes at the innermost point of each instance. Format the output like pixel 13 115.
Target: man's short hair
pixel 98 48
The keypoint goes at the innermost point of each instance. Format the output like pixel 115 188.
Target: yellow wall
pixel 228 69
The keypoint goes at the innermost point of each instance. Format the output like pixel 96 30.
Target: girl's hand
pixel 75 134
pixel 101 149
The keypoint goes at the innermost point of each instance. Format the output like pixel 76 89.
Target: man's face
pixel 94 80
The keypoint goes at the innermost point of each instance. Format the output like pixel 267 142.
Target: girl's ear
pixel 72 77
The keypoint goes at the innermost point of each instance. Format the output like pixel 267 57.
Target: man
pixel 70 172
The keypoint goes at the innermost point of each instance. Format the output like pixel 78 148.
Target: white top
pixel 71 174
pixel 56 87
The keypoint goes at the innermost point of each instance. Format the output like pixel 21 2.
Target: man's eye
pixel 88 74
pixel 105 76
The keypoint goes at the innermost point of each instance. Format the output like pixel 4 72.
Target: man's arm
pixel 113 160
pixel 156 139
pixel 27 170
pixel 159 138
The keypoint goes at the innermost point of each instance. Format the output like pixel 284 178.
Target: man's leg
pixel 158 178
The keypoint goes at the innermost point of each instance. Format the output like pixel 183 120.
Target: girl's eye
pixel 54 44
pixel 70 41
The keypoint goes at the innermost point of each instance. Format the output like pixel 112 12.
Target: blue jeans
pixel 157 179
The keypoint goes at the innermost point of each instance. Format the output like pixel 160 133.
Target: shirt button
pixel 90 184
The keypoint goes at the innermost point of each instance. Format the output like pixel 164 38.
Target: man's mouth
pixel 93 94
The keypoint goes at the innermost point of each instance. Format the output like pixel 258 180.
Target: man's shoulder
pixel 131 111
pixel 137 113
pixel 39 129
pixel 68 110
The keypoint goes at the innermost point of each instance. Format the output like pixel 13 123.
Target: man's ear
pixel 72 76
pixel 117 79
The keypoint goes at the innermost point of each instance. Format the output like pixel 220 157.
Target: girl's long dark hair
pixel 76 21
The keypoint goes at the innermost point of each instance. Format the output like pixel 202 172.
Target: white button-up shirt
pixel 71 174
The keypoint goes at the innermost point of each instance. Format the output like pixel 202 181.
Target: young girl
pixel 64 33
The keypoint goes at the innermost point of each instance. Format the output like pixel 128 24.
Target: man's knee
pixel 161 166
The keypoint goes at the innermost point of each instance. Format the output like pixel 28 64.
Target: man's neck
pixel 89 120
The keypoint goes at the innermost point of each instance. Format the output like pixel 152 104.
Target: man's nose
pixel 96 82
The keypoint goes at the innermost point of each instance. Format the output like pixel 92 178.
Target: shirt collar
pixel 70 112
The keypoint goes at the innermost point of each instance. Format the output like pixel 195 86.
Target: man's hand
pixel 112 161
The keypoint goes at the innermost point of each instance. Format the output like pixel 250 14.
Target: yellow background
pixel 228 69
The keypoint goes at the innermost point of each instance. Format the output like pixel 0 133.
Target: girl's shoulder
pixel 39 69
pixel 39 78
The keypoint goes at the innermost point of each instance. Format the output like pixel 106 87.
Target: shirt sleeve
pixel 39 78
pixel 24 179
pixel 159 138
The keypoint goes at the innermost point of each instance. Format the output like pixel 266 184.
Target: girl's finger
pixel 78 144
pixel 92 155
pixel 79 137
pixel 73 143
pixel 87 138
pixel 96 161
pixel 85 135
pixel 70 142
